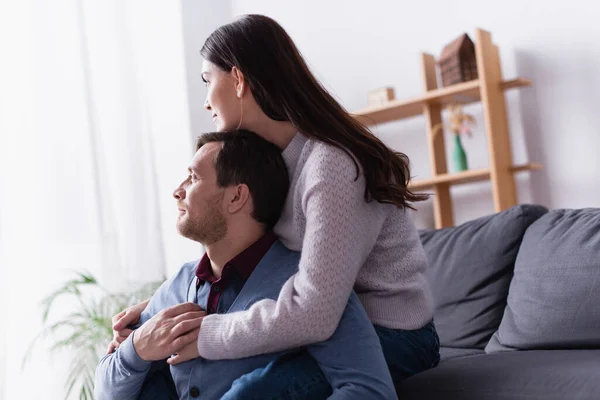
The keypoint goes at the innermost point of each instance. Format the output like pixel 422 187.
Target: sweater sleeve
pixel 341 230
pixel 120 375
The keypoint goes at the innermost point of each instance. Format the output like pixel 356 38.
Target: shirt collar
pixel 244 263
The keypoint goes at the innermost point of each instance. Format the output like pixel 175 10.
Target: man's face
pixel 200 199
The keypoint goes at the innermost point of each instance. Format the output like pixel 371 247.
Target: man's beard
pixel 207 230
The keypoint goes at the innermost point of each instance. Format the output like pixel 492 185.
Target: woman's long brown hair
pixel 286 90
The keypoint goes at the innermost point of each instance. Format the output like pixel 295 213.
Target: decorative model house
pixel 457 62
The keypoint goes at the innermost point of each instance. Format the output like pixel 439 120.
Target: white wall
pixel 200 19
pixel 355 46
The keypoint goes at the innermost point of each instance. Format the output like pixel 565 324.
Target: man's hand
pixel 168 332
pixel 121 321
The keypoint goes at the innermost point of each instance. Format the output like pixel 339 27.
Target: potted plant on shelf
pixel 459 124
pixel 84 334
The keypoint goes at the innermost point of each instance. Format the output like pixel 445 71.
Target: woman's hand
pixel 121 321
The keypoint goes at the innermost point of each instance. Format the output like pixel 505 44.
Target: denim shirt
pixel 352 359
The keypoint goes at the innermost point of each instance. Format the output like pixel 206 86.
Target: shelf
pixel 458 178
pixel 464 93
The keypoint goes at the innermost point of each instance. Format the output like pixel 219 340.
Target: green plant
pixel 85 333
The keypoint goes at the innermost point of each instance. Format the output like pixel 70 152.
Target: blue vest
pixel 352 359
pixel 266 281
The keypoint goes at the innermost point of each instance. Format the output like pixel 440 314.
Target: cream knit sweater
pixel 346 244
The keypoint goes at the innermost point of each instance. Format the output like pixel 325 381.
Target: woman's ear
pixel 240 82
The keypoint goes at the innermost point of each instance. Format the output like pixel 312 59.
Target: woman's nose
pixel 207 105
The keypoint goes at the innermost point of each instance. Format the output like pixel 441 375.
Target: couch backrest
pixel 470 269
pixel 554 296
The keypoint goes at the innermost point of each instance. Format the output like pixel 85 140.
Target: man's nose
pixel 179 193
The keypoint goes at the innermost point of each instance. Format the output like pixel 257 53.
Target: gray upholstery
pixel 553 302
pixel 470 267
pixel 542 374
pixel 554 297
pixel 447 353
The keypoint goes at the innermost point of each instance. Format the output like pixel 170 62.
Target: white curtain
pixel 94 137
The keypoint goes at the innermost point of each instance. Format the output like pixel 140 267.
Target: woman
pixel 346 211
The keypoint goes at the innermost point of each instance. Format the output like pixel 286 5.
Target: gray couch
pixel 517 298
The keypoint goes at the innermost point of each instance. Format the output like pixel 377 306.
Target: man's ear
pixel 240 81
pixel 239 197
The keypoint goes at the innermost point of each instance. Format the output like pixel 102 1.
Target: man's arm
pixel 165 324
pixel 352 359
pixel 121 374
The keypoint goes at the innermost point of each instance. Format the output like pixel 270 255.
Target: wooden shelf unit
pixel 464 93
pixel 472 175
pixel 489 90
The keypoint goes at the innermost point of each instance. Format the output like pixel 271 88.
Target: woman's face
pixel 221 98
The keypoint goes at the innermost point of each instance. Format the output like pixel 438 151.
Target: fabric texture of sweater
pixel 346 243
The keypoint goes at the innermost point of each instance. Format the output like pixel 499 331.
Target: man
pixel 230 201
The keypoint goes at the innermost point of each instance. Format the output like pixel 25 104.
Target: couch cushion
pixel 554 297
pixel 540 374
pixel 470 267
pixel 447 353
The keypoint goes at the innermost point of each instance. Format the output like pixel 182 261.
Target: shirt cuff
pixel 130 358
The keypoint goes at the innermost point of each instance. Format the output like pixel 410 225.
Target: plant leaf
pixel 84 332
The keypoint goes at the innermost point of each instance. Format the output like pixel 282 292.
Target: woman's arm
pixel 341 230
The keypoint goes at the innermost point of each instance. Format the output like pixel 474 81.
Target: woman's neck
pixel 280 133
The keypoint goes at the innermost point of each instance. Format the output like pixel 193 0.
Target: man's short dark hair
pixel 246 158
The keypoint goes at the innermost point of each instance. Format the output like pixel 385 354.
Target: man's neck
pixel 236 241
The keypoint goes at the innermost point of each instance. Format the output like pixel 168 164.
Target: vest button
pixel 217 289
pixel 194 392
